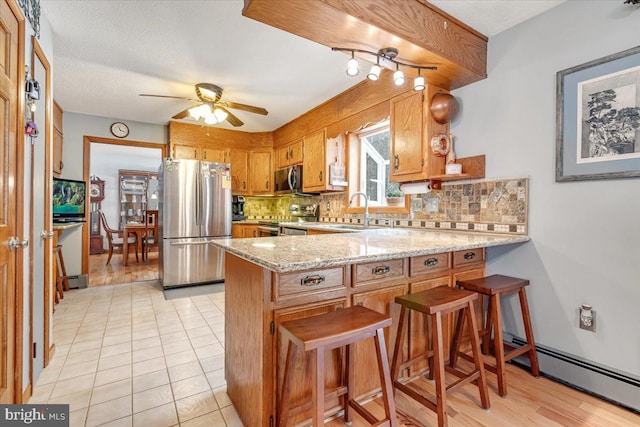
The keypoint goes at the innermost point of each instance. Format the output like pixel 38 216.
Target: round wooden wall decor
pixel 444 107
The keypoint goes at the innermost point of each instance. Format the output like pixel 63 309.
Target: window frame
pixel 353 145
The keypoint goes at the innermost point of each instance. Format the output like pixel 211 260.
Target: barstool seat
pixel 435 303
pixel 494 287
pixel 326 332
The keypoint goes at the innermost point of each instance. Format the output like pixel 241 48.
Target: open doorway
pixel 122 211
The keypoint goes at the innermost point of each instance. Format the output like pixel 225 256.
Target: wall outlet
pixel 587 318
pixel 432 204
pixel 416 204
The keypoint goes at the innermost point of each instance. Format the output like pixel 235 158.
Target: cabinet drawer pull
pixel 312 280
pixel 244 185
pixel 381 270
pixel 267 184
pixel 286 156
pixel 430 262
pixel 469 255
pixel 396 162
pixel 320 176
pixel 205 155
pixel 195 154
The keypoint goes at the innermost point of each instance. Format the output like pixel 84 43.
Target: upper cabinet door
pixel 213 155
pixel 314 177
pixel 261 172
pixel 407 149
pixel 190 152
pixel 239 171
pixel 295 153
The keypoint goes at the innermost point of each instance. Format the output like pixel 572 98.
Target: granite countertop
pixel 293 253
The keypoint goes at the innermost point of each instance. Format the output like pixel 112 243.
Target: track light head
pixel 398 76
pixel 352 66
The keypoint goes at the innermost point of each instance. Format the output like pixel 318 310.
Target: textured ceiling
pixel 107 52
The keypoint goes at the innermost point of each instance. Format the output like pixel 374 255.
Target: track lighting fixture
pixel 352 66
pixel 387 54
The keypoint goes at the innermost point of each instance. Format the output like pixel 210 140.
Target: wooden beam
pixel 422 33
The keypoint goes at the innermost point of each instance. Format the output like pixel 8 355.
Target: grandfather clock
pixel 96 193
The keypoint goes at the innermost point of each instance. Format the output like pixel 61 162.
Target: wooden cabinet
pixel 189 152
pixel 407 145
pixel 58 140
pixel 289 155
pixel 213 154
pixel 382 301
pixel 241 231
pixel 301 381
pixel 260 300
pixel 261 173
pixel 318 154
pixel 239 160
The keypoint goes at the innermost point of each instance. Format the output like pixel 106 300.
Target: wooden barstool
pixel 495 286
pixel 62 281
pixel 435 303
pixel 326 332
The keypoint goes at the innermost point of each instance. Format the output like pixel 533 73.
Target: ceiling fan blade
pixel 231 118
pixel 184 113
pixel 249 108
pixel 166 96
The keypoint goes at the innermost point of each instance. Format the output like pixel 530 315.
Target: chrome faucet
pixel 366 206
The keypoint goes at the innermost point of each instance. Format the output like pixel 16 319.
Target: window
pixel 370 158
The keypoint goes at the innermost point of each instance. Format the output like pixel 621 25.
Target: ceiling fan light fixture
pixel 210 119
pixel 199 112
pixel 220 115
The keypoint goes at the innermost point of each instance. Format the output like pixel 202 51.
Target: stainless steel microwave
pixel 288 180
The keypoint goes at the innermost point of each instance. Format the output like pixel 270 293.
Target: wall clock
pixel 119 129
pixel 96 190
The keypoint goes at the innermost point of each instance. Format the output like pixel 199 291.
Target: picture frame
pixel 598 119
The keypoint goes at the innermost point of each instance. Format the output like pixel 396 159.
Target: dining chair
pixel 151 237
pixel 116 242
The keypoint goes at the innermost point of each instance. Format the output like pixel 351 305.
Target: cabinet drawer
pixel 427 264
pixel 470 256
pixel 298 283
pixel 378 271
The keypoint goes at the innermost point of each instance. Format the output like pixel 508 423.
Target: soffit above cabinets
pixel 422 33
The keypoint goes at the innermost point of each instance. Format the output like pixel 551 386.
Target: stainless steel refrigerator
pixel 194 208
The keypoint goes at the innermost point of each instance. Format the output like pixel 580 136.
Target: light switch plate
pixel 432 204
pixel 416 204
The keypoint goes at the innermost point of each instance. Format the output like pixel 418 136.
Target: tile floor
pixel 124 356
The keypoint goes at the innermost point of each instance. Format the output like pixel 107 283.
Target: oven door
pixel 290 231
pixel 267 231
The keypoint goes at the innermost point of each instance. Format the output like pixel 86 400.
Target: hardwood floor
pixel 530 402
pixel 116 273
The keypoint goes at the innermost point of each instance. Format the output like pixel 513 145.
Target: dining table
pixel 137 229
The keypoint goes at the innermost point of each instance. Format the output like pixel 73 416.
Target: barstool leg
pixel 455 342
pixel 283 413
pixel 438 362
pixel 397 348
pixel 317 392
pixel 351 377
pixel 498 345
pixel 63 271
pixel 477 355
pixel 526 318
pixel 488 327
pixel 385 379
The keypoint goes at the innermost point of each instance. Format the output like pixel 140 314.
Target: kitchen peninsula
pixel 272 280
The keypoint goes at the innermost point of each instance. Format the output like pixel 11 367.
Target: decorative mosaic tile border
pixel 442 225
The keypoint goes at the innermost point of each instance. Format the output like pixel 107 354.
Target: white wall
pixel 75 127
pixel 585 236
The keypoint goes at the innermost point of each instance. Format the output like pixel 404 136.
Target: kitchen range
pixel 299 213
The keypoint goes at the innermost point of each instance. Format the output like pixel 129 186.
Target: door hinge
pixel 271 421
pixel 34 350
pixel 273 328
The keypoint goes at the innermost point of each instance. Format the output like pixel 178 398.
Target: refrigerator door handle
pixel 198 196
pixel 199 242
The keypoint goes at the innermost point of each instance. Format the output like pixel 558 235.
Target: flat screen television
pixel 68 200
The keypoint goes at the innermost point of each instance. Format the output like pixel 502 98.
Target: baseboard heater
pixel 617 387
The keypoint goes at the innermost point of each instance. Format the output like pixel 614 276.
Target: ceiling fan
pixel 210 108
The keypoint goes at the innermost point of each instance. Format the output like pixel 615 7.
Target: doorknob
pixel 44 234
pixel 15 243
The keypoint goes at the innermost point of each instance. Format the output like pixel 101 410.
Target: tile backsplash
pixel 490 205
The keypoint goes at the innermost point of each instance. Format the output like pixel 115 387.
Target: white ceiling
pixel 107 52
